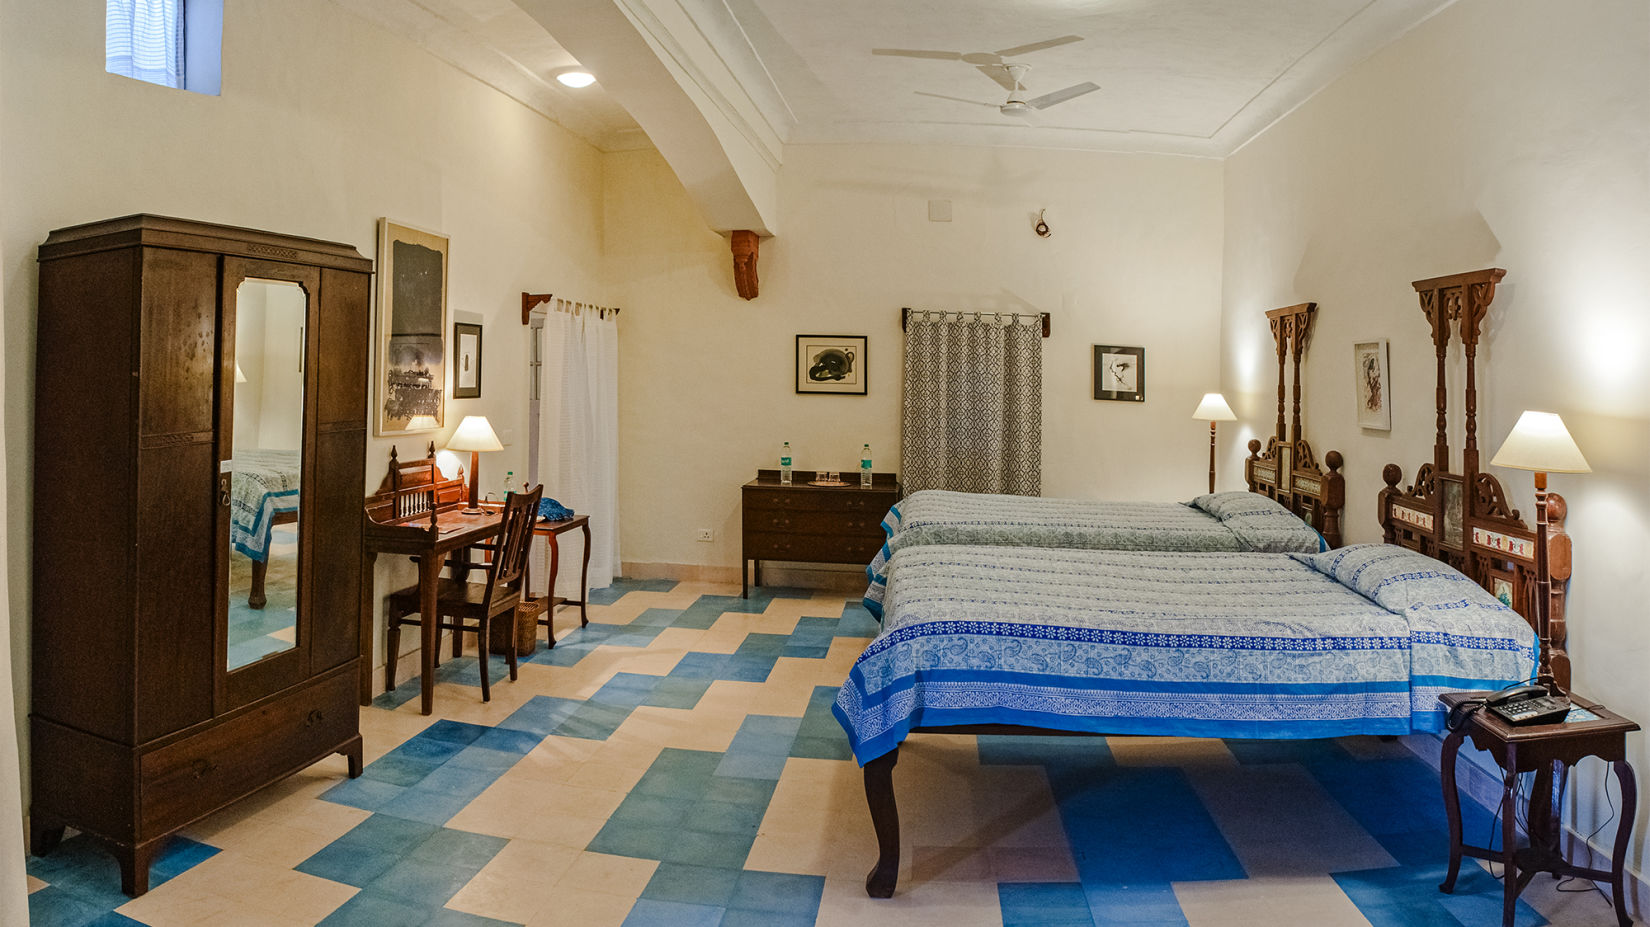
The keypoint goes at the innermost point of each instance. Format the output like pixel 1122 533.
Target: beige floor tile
pixel 258 886
pixel 609 875
pixel 1032 864
pixel 507 887
pixel 1169 751
pixel 949 864
pixel 932 904
pixel 799 852
pixel 1314 900
pixel 571 906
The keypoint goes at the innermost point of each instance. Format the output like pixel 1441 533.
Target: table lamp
pixel 474 435
pixel 1541 443
pixel 1213 409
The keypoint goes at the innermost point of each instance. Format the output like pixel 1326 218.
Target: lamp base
pixel 474 507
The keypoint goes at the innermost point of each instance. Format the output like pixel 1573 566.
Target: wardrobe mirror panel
pixel 266 467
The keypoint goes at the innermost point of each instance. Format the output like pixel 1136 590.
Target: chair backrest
pixel 515 538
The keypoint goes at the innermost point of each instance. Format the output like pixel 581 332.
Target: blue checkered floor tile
pixel 676 763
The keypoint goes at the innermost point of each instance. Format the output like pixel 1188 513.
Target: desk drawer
pixel 823 500
pixel 182 781
pixel 811 548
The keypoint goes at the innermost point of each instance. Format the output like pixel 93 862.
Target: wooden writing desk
pixel 417 513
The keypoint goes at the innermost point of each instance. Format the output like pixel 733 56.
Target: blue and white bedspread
pixel 1186 644
pixel 1228 521
pixel 264 484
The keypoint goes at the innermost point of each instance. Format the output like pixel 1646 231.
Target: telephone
pixel 1528 704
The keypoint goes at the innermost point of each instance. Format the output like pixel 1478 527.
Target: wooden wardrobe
pixel 145 717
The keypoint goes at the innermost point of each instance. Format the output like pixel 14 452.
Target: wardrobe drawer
pixel 199 774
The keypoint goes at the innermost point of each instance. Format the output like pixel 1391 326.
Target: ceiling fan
pixel 991 64
pixel 1017 104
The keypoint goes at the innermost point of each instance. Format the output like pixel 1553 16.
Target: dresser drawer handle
pixel 781 522
pixel 202 768
pixel 314 717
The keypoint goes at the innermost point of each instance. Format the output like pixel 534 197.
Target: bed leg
pixel 879 795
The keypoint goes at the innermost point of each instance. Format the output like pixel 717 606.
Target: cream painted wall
pixel 325 124
pixel 707 379
pixel 1506 133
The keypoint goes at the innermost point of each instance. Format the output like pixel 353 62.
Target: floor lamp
pixel 1541 443
pixel 474 434
pixel 1213 409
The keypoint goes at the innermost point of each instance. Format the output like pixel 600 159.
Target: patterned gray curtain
pixel 973 403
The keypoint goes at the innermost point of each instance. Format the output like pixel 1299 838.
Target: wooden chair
pixel 466 606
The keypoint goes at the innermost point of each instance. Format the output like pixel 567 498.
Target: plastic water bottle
pixel 865 466
pixel 509 484
pixel 785 464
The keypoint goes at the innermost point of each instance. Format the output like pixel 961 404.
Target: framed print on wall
pixel 1119 373
pixel 831 364
pixel 1373 392
pixel 412 321
pixel 466 360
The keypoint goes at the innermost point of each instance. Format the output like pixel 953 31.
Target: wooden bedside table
pixel 812 524
pixel 1538 748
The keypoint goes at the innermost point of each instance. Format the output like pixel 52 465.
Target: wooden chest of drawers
pixel 812 524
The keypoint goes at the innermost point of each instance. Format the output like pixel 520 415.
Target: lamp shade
pixel 1541 442
pixel 474 434
pixel 1213 408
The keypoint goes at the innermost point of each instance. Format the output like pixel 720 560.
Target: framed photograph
pixel 1119 373
pixel 412 322
pixel 466 360
pixel 1373 385
pixel 831 364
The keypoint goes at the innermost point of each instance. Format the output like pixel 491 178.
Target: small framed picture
pixel 1119 373
pixel 831 364
pixel 466 360
pixel 1373 385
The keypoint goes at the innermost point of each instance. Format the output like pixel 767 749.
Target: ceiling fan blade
pixel 1000 74
pixel 941 96
pixel 918 53
pixel 1039 46
pixel 1061 96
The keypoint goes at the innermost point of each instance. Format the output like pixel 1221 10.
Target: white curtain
pixel 579 439
pixel 145 40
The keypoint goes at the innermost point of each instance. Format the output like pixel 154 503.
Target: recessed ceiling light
pixel 576 78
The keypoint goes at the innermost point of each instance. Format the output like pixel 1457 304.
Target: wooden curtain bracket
pixel 905 318
pixel 745 246
pixel 528 301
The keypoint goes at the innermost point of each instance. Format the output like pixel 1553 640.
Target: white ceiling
pixel 1198 77
pixel 1176 76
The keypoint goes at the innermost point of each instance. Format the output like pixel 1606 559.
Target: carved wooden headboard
pixel 1462 517
pixel 1287 470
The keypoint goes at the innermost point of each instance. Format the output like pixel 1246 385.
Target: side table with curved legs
pixel 1542 749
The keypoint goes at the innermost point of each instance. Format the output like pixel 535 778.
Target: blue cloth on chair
pixel 551 510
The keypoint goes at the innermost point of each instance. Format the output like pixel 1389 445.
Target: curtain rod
pixel 530 300
pixel 905 316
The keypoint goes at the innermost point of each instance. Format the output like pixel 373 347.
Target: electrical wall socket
pixel 705 534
